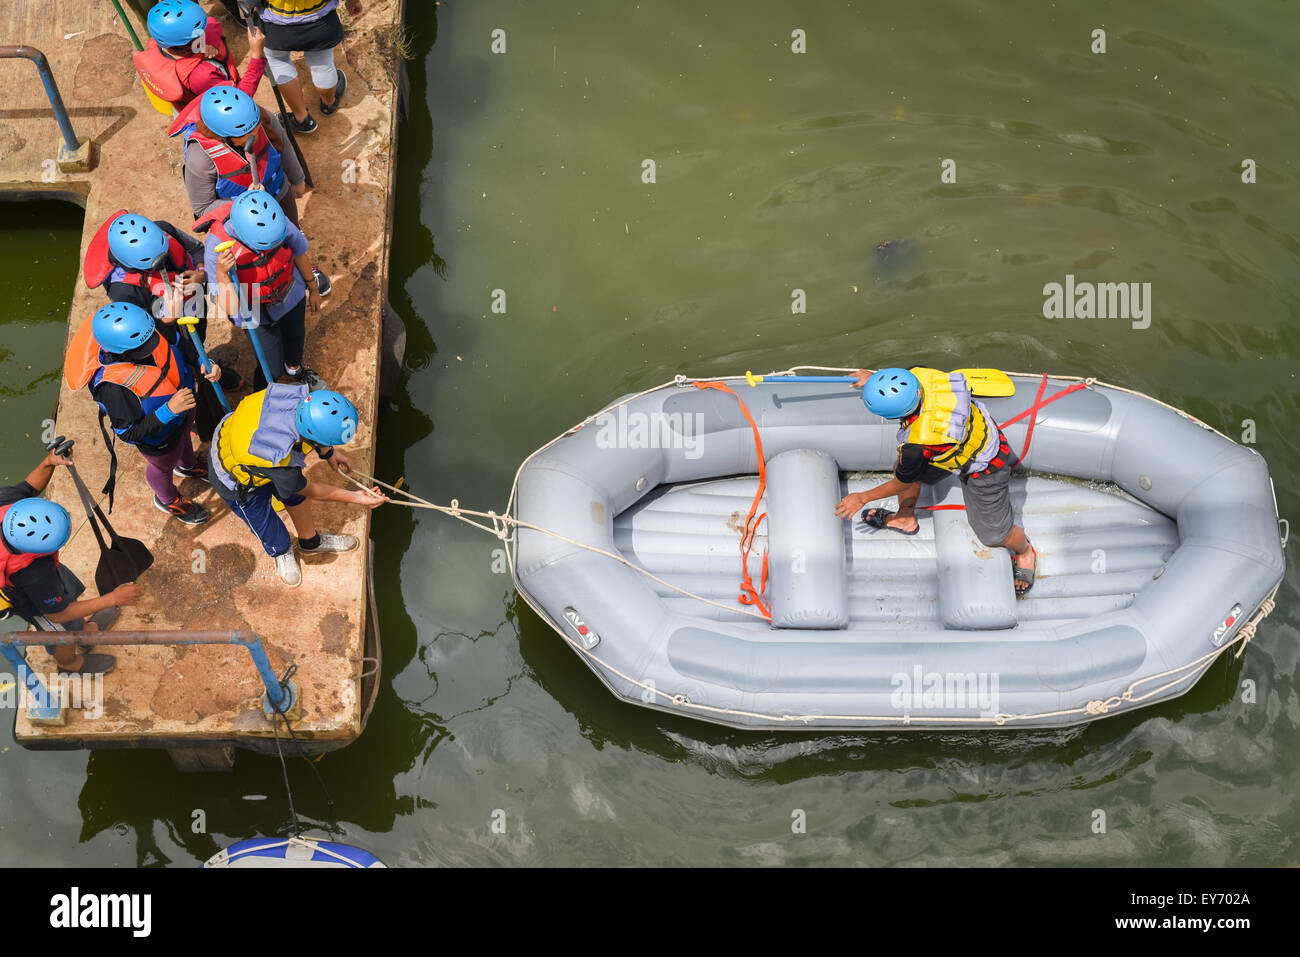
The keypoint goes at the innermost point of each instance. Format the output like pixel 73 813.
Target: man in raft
pixel 945 431
pixel 187 54
pixel 259 452
pixel 36 587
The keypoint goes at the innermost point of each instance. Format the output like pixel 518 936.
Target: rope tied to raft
pixel 749 595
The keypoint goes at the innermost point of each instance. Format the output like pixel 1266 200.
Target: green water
pixel 779 171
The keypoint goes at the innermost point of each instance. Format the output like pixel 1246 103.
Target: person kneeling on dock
pixel 142 376
pixel 945 431
pixel 259 453
pixel 40 590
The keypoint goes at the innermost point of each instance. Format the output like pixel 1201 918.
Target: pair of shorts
pixel 988 503
pixel 324 33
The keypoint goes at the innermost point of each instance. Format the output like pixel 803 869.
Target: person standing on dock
pixel 259 453
pixel 36 586
pixel 187 54
pixel 142 376
pixel 259 260
pixel 313 28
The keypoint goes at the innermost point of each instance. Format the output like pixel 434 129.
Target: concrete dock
pixel 200 702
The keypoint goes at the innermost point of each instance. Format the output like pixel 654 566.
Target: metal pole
pixel 51 89
pixel 248 639
pixel 26 675
pixel 127 23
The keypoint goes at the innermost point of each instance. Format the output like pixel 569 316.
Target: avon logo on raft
pixel 102 910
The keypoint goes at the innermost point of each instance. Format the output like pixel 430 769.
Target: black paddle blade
pixel 116 568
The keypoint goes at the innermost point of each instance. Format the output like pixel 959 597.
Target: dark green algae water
pixel 522 171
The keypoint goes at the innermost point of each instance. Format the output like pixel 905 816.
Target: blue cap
pixel 228 111
pixel 257 220
pixel 135 242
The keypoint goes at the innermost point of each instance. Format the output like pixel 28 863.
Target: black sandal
pixel 1026 575
pixel 879 518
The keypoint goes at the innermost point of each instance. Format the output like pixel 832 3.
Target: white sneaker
pixel 287 565
pixel 331 543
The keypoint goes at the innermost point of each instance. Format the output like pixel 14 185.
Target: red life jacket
pixel 169 78
pixel 10 563
pixel 99 265
pixel 272 271
pixel 234 175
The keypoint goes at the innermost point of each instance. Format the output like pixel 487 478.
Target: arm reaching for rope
pixel 370 498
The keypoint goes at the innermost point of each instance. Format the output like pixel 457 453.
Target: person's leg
pixel 990 514
pixel 285 75
pixel 158 473
pixel 259 515
pixel 303 522
pixel 325 76
pixel 186 457
pixel 293 335
pixel 268 336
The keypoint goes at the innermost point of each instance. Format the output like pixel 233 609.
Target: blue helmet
pixel 135 242
pixel 326 418
pixel 176 23
pixel 229 111
pixel 257 220
pixel 121 326
pixel 892 393
pixel 37 526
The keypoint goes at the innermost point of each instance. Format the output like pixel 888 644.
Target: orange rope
pixel 749 595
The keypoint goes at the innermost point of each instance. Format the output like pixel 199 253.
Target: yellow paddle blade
pixel 989 383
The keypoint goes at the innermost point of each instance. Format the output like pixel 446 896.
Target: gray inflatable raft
pixel 1158 542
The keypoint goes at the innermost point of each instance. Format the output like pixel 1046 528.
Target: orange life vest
pixel 169 77
pixel 271 271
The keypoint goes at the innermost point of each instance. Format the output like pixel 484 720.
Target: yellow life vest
pixel 950 415
pixel 295 8
pixel 260 434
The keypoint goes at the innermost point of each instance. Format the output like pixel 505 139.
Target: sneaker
pixel 199 470
pixel 307 377
pixel 183 510
pixel 323 285
pixel 308 125
pixel 340 88
pixel 106 618
pixel 331 543
pixel 286 565
pixel 95 664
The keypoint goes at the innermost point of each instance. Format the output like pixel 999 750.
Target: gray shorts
pixel 988 504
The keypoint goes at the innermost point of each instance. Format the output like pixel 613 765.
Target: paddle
pixel 189 322
pixel 126 558
pixel 985 383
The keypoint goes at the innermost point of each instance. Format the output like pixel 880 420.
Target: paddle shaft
pixel 205 363
pixel 808 378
